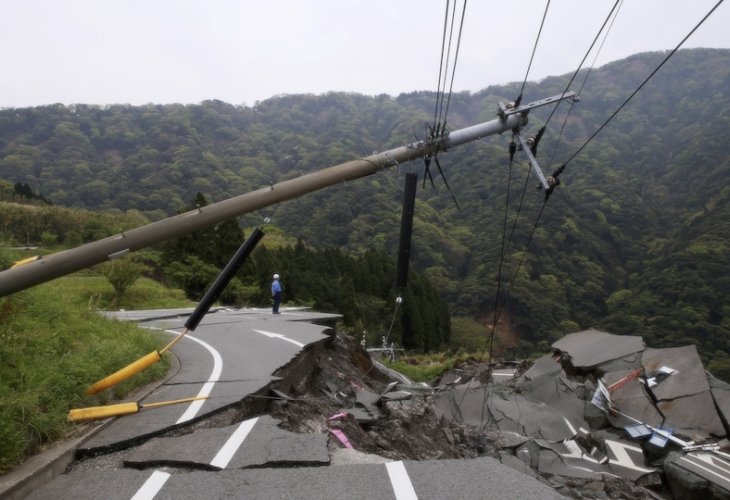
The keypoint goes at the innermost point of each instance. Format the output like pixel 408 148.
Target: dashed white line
pixel 234 442
pixel 570 426
pixel 274 335
pixel 152 486
pixel 400 481
pixel 157 480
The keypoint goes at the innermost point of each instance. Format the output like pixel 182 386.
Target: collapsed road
pixel 314 417
pixel 260 373
pixel 604 405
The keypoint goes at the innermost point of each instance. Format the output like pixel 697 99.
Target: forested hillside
pixel 635 240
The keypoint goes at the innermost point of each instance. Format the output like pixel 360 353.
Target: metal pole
pixel 68 261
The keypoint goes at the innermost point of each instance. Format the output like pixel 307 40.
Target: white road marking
pixel 234 442
pixel 152 486
pixel 205 391
pixel 402 486
pixel 570 426
pixel 719 467
pixel 157 480
pixel 278 336
pixel 622 457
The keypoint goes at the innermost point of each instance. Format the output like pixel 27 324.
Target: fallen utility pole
pixel 69 261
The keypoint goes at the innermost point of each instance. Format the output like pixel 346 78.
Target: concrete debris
pixel 603 405
pixel 583 420
pixel 698 475
pixel 721 394
pixel 684 398
pixel 397 396
pixel 592 348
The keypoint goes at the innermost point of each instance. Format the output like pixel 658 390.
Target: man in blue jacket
pixel 276 289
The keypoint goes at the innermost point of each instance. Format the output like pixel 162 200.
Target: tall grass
pixel 426 367
pixel 52 347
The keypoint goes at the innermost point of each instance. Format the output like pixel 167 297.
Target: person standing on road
pixel 276 289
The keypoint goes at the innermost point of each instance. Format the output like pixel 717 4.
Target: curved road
pixel 232 354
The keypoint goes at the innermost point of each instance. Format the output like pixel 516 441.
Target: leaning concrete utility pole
pixel 69 261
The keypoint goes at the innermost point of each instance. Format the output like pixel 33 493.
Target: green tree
pixel 122 274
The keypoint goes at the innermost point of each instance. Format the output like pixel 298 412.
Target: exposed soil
pixel 407 429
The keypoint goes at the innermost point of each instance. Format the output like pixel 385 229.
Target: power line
pixel 456 58
pixel 600 47
pixel 532 57
pixel 441 66
pixel 446 67
pixel 641 86
pixel 584 58
pixel 585 80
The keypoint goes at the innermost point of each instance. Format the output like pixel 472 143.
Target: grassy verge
pixel 426 367
pixel 95 291
pixel 52 347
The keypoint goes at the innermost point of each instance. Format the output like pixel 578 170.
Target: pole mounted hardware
pixel 533 162
pixel 507 109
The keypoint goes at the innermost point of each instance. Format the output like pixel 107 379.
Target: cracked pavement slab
pixel 591 348
pixel 265 445
pixel 684 397
pixel 632 399
pixel 509 412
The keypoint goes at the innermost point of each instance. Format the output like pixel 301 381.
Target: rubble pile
pixel 603 416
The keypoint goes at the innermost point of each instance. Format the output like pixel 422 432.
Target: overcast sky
pixel 243 51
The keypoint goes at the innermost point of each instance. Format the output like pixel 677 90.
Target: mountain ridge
pixel 644 193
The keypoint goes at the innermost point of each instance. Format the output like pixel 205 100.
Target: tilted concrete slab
pixel 549 461
pixel 721 394
pixel 684 397
pixel 545 366
pixel 567 397
pixel 690 378
pixel 693 416
pixel 591 348
pixel 265 445
pixel 507 412
pixel 569 459
pixel 632 400
pixel 698 475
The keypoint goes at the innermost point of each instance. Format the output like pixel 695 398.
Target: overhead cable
pixel 567 87
pixel 600 47
pixel 642 85
pixel 532 57
pixel 456 58
pixel 585 80
pixel 441 67
pixel 446 67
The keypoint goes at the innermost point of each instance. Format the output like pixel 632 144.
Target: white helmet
pixel 276 276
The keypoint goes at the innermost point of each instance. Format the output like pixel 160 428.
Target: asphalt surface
pixel 230 355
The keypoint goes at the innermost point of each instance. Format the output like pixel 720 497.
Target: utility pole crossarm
pixel 509 108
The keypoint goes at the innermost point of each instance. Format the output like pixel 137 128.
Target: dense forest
pixel 634 241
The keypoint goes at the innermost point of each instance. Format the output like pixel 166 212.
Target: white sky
pixel 242 51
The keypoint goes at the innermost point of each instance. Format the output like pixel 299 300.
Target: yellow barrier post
pixel 132 369
pixel 98 412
